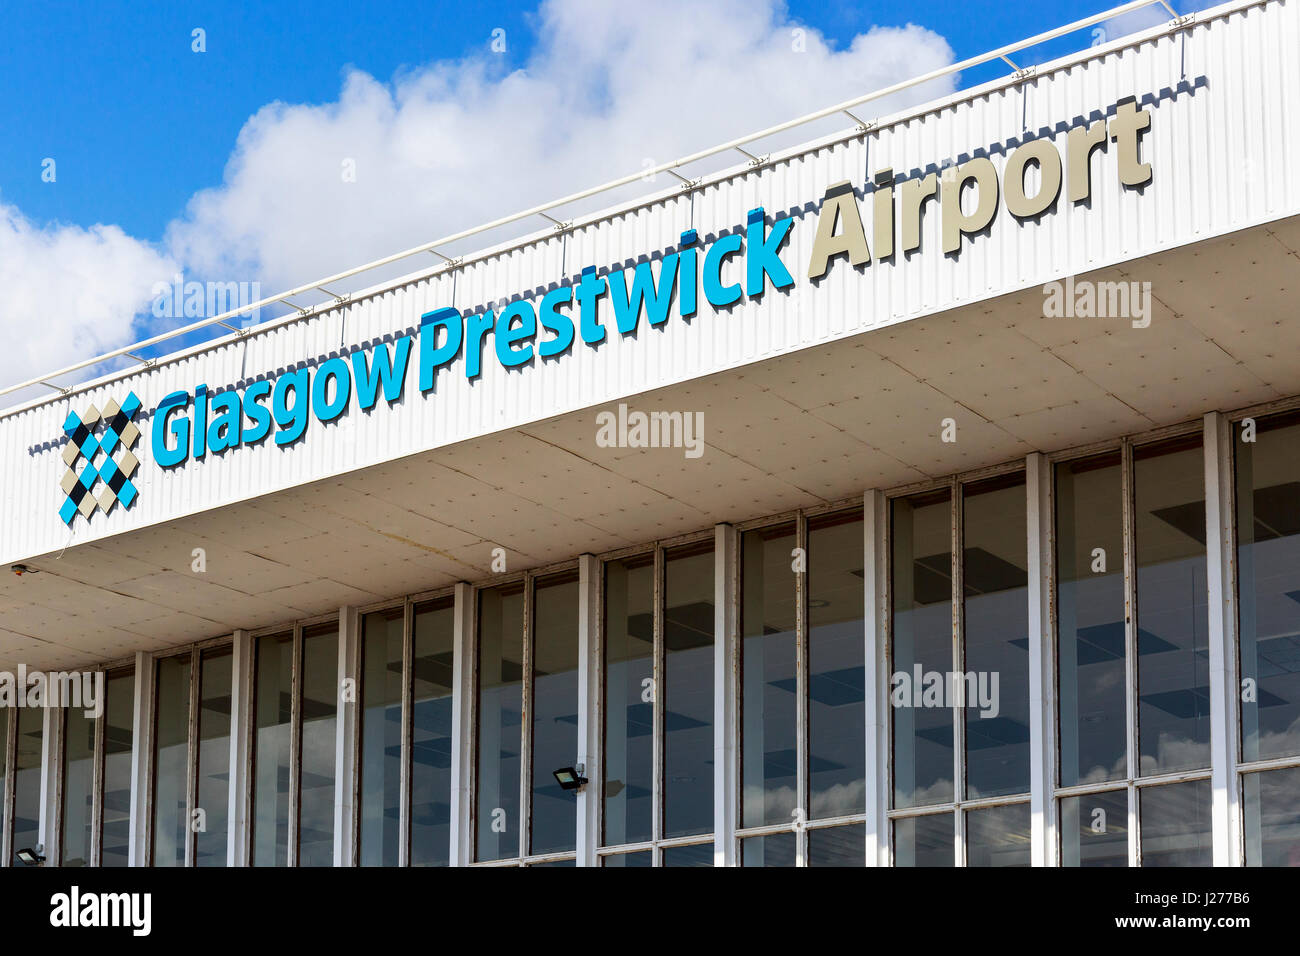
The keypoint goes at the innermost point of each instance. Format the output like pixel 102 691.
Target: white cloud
pixel 450 145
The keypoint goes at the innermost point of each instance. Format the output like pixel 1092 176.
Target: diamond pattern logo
pixel 113 433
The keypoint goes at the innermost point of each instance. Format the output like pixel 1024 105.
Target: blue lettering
pixel 590 289
pixel 506 337
pixel 256 412
pixel 434 357
pixel 336 369
pixel 388 367
pixel 226 427
pixel 292 419
pixel 761 259
pixel 165 422
pixel 627 305
pixel 718 253
pixel 560 325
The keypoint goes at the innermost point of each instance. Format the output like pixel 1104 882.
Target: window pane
pixel 1268 575
pixel 838 846
pixel 555 711
pixel 1090 620
pixel 119 711
pixel 320 690
pixel 4 764
pixel 924 841
pixel 1272 817
pixel 214 757
pixel 628 859
pixel 921 649
pixel 171 760
pixel 768 681
pixel 998 836
pixel 995 581
pixel 381 736
pixel 629 699
pixel 27 780
pixel 1094 829
pixel 837 749
pixel 500 709
pixel 1176 824
pixel 431 749
pixel 1172 610
pixel 777 849
pixel 688 692
pixel 271 769
pixel 700 855
pixel 78 781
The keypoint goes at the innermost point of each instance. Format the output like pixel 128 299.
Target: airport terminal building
pixel 924 494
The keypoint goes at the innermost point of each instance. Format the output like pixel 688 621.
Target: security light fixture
pixel 21 569
pixel 570 778
pixel 32 856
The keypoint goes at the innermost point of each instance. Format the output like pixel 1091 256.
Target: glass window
pixel 1272 813
pixel 836 671
pixel 922 653
pixel 78 786
pixel 381 737
pixel 629 702
pixel 688 691
pixel 555 711
pixel 500 710
pixel 319 740
pixel 1172 618
pixel 998 836
pixel 1094 829
pixel 995 582
pixel 432 744
pixel 27 780
pixel 838 846
pixel 1090 620
pixel 273 709
pixel 171 760
pixel 769 682
pixel 1268 580
pixel 699 854
pixel 644 858
pixel 774 849
pixel 924 841
pixel 210 843
pixel 4 767
pixel 1175 824
pixel 119 734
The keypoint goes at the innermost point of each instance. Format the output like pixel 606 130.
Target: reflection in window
pixel 119 731
pixel 769 683
pixel 1272 814
pixel 1172 618
pixel 924 841
pixel 500 709
pixel 700 854
pixel 644 858
pixel 838 846
pixel 998 836
pixel 921 643
pixel 318 739
pixel 4 767
pixel 1175 824
pixel 27 780
pixel 629 702
pixel 688 692
pixel 1268 579
pixel 836 672
pixel 555 711
pixel 775 849
pixel 995 582
pixel 1094 829
pixel 1090 614
pixel 273 708
pixel 78 786
pixel 213 788
pixel 432 744
pixel 171 760
pixel 381 737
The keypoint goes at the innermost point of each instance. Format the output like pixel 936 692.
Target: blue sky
pixel 137 122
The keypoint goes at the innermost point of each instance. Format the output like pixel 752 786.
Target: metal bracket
pixel 1181 23
pixel 759 160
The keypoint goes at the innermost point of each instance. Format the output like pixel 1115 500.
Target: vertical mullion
pixel 526 722
pixel 726 694
pixel 462 726
pixel 1129 503
pixel 192 756
pixel 295 743
pixel 590 708
pixel 958 668
pixel 408 730
pixel 875 614
pixel 97 782
pixel 657 823
pixel 1042 660
pixel 802 803
pixel 7 809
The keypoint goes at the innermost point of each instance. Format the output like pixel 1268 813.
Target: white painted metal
pixel 141 749
pixel 1201 140
pixel 1220 549
pixel 726 758
pixel 589 713
pixel 51 778
pixel 462 754
pixel 1042 663
pixel 239 827
pixel 876 675
pixel 542 210
pixel 346 729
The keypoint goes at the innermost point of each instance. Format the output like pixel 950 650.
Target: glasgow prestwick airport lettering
pixel 187 425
